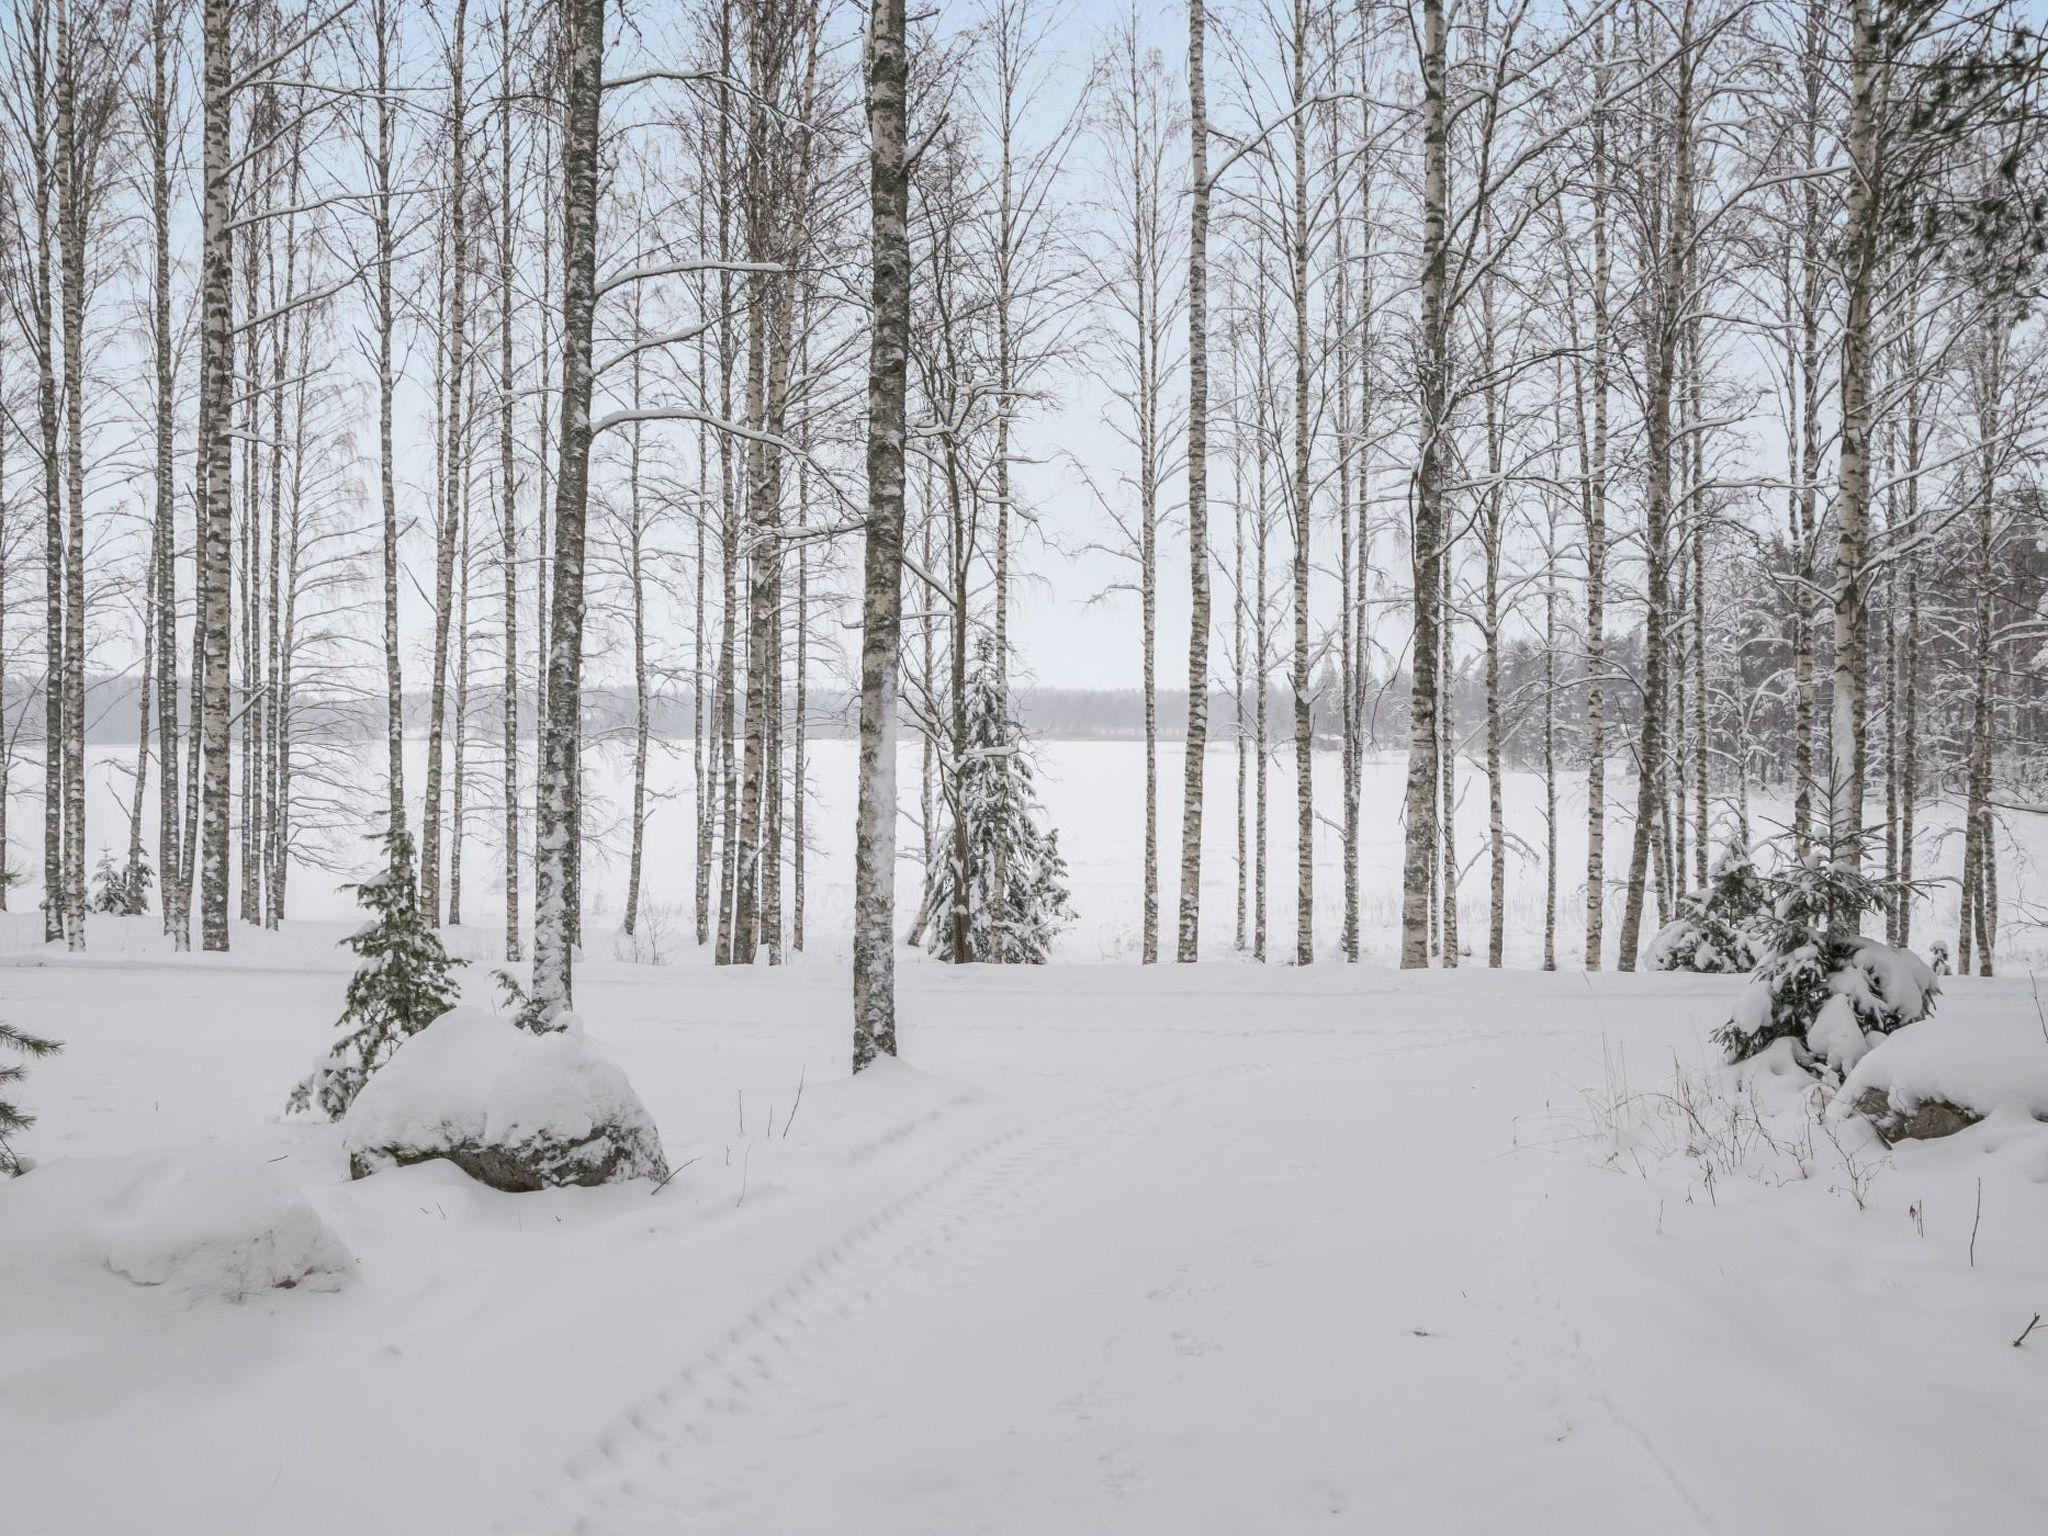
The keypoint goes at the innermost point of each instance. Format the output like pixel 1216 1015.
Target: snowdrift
pixel 204 1225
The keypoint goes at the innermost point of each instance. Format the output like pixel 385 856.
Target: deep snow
pixel 1121 1250
pixel 1229 1249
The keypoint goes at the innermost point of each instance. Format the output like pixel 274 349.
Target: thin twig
pixel 799 1099
pixel 679 1167
pixel 2031 1326
pixel 1974 1220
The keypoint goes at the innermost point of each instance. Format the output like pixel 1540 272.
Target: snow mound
pixel 1974 1066
pixel 205 1225
pixel 515 1110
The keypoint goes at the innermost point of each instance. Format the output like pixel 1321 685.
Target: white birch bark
pixel 557 785
pixel 1188 939
pixel 874 914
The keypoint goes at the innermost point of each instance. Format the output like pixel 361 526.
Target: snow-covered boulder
pixel 1941 1075
pixel 512 1109
pixel 204 1225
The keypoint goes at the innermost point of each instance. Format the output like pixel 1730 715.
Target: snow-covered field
pixel 1093 793
pixel 1223 1249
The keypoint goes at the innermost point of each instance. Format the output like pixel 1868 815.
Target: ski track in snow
pixel 659 1461
pixel 1568 1346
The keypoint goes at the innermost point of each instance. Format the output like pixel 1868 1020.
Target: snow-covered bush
pixel 1820 982
pixel 203 1225
pixel 404 982
pixel 1017 901
pixel 1722 928
pixel 1763 1119
pixel 512 1109
pixel 12 1119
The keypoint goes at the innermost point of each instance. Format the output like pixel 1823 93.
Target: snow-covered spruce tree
pixel 121 890
pixel 404 982
pixel 12 1119
pixel 1016 924
pixel 1722 929
pixel 1821 983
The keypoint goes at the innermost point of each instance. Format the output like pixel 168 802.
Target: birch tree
pixel 874 986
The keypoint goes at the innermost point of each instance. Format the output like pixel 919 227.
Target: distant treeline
pixel 1066 714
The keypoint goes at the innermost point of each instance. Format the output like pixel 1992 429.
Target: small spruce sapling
pixel 121 890
pixel 404 981
pixel 525 1012
pixel 1723 929
pixel 12 1119
pixel 1821 983
pixel 1017 900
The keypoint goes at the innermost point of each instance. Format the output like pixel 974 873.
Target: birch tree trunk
pixel 45 343
pixel 458 755
pixel 1492 529
pixel 72 198
pixel 1812 236
pixel 1661 345
pixel 144 698
pixel 636 595
pixel 799 716
pixel 508 489
pixel 559 790
pixel 1188 943
pixel 454 461
pixel 217 469
pixel 1262 662
pixel 383 23
pixel 1302 498
pixel 1550 645
pixel 1852 507
pixel 874 905
pixel 163 573
pixel 1239 703
pixel 1447 759
pixel 1596 533
pixel 6 740
pixel 1989 381
pixel 1433 389
pixel 701 746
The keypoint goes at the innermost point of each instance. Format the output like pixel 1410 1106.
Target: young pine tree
pixel 12 1120
pixel 404 982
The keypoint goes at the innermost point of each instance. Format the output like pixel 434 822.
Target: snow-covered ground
pixel 1112 1249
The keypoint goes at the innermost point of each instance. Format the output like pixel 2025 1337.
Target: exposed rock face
pixel 1923 1121
pixel 513 1110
